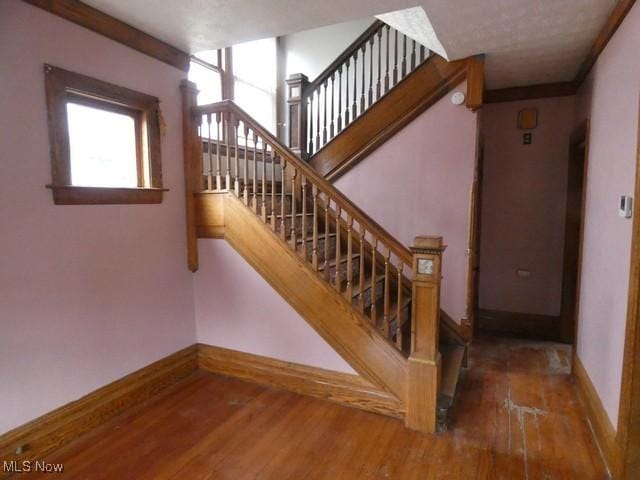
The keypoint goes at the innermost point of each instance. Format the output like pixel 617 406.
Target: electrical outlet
pixel 523 273
pixel 527 138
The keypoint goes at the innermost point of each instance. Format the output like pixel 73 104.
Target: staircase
pixel 376 86
pixel 375 301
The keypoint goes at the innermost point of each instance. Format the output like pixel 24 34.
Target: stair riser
pixel 320 249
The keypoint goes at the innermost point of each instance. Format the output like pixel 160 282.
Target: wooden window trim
pixel 63 86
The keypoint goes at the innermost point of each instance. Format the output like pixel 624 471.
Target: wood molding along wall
pixel 343 388
pixel 33 440
pixel 526 325
pixel 99 22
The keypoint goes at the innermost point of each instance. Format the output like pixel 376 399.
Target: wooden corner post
pixel 192 151
pixel 297 113
pixel 424 361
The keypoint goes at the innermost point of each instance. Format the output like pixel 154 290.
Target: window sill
pixel 75 195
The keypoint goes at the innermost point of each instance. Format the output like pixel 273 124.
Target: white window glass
pixel 207 80
pixel 254 69
pixel 102 147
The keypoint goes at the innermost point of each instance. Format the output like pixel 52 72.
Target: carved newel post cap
pixel 426 244
pixel 298 77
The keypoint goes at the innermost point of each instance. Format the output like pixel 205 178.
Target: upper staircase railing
pixel 372 65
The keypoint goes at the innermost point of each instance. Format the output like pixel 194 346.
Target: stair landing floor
pixel 516 416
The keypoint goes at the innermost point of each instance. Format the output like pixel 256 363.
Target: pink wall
pixel 236 308
pixel 610 97
pixel 418 183
pixel 87 293
pixel 523 206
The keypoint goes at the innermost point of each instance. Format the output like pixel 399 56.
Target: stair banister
pixel 424 359
pixel 347 207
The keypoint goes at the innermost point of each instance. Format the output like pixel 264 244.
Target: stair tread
pixel 452 356
pixel 343 259
pixel 367 284
pixel 310 238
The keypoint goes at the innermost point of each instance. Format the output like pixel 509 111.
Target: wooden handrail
pixel 348 52
pixel 398 249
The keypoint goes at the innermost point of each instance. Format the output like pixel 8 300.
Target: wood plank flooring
pixel 516 416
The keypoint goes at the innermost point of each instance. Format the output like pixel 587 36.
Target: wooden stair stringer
pixel 347 331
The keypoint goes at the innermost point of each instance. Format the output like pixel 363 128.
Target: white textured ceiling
pixel 526 41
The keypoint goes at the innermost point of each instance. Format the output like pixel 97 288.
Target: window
pixel 254 70
pixel 205 72
pixel 105 141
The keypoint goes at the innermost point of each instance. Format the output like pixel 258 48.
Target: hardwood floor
pixel 516 416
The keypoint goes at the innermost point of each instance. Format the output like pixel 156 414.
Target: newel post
pixel 192 152
pixel 297 113
pixel 424 360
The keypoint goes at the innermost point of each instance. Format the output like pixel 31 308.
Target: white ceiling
pixel 526 41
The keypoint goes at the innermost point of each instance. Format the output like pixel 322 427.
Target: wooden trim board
pixel 99 22
pixel 601 426
pixel 58 427
pixel 529 92
pixel 343 388
pixel 618 14
pixel 525 325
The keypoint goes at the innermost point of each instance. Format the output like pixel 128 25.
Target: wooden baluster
pixel 293 208
pixel 210 156
pixel 404 56
pixel 386 71
pixel 218 166
pixel 378 89
pixel 338 281
pixel 363 88
pixel 413 56
pixel 283 187
pixel 349 259
pixel 354 105
pixel 263 205
pixel 387 288
pixel 303 226
pixel 254 197
pixel 318 127
pixel 372 313
pixel 245 173
pixel 236 183
pixel 333 101
pixel 310 148
pixel 274 157
pixel 422 53
pixel 399 307
pixel 346 87
pixel 339 99
pixel 371 70
pixel 226 128
pixel 361 272
pixel 314 244
pixel 326 238
pixel 324 123
pixel 395 59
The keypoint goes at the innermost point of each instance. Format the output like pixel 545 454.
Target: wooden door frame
pixel 628 431
pixel 579 136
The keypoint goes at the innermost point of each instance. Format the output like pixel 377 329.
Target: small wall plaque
pixel 528 119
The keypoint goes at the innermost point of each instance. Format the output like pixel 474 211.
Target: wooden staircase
pixel 376 86
pixel 375 301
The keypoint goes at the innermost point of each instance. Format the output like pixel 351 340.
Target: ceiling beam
pixel 543 90
pixel 99 22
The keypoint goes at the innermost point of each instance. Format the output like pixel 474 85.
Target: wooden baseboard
pixel 601 425
pixel 524 325
pixel 57 428
pixel 343 388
